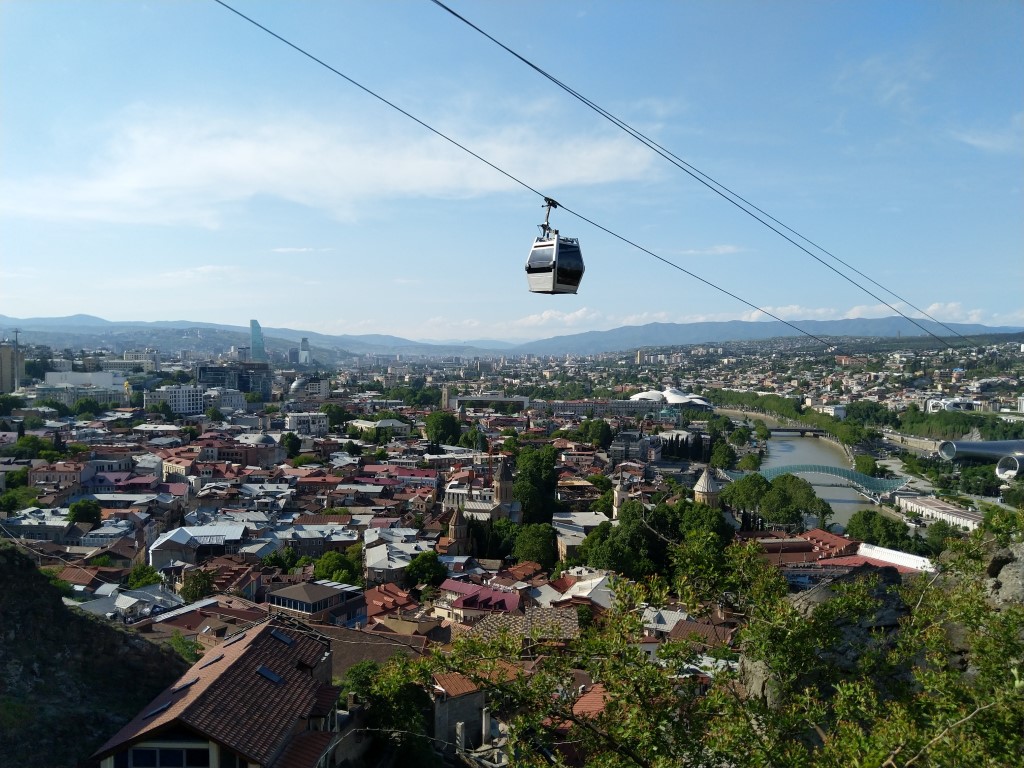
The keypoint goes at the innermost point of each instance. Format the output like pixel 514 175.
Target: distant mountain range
pixel 87 331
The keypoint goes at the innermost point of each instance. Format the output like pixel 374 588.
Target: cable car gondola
pixel 555 264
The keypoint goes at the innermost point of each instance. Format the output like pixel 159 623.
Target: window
pixel 270 674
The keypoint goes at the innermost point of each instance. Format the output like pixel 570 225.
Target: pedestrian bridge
pixel 873 486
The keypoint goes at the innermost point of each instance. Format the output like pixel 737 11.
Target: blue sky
pixel 167 160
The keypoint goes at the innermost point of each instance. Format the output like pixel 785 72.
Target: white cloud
pixel 643 318
pixel 790 312
pixel 1004 141
pixel 184 166
pixel 955 312
pixel 889 80
pixel 555 318
pixel 714 250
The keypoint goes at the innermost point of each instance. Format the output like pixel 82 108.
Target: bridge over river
pixel 871 486
pixel 798 430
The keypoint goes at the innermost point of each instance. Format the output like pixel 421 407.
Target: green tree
pixel 537 543
pixel 334 566
pixel 746 493
pixel 163 408
pixel 937 536
pixel 723 455
pixel 142 575
pixel 789 499
pixel 85 511
pixel 16 499
pixel 872 527
pixel 285 558
pixel 196 585
pixel 336 414
pixel 9 402
pixel 833 693
pixel 190 650
pixel 442 427
pixel 865 464
pixel 425 568
pixel 292 443
pixel 751 462
pixel 87 405
pixel 603 483
pixel 214 414
pixel 535 483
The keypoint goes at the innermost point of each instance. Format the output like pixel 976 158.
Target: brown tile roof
pixel 706 635
pixel 305 750
pixel 592 702
pixel 544 623
pixel 246 694
pixel 351 646
pixel 454 683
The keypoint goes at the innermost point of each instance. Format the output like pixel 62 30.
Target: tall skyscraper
pixel 12 367
pixel 257 349
pixel 305 355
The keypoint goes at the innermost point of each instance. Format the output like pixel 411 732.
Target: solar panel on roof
pixel 233 640
pixel 214 660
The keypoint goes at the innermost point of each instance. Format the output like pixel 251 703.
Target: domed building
pixel 256 449
pixel 652 394
pixel 673 396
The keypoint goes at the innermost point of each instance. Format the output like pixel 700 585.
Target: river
pixel 785 451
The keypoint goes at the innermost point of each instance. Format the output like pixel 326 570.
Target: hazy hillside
pixel 675 334
pixel 86 331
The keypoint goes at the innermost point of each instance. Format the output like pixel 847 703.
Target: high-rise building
pixel 257 348
pixel 305 355
pixel 12 367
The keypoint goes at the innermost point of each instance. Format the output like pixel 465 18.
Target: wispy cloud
pixel 714 250
pixel 1004 141
pixel 190 167
pixel 891 81
pixel 955 312
pixel 553 318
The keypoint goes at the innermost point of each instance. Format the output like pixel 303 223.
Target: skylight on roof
pixel 277 634
pixel 185 685
pixel 214 660
pixel 270 674
pixel 158 710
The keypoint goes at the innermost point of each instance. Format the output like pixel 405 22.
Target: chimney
pixel 485 726
pixel 351 702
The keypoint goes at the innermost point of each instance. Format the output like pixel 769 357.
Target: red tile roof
pixel 247 694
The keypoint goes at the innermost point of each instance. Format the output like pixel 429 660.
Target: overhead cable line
pixel 509 176
pixel 720 189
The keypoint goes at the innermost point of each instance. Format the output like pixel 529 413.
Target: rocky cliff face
pixel 1005 570
pixel 870 632
pixel 67 680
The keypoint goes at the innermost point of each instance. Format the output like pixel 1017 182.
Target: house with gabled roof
pixel 262 699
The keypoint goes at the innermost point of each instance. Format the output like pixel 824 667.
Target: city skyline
pixel 171 161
